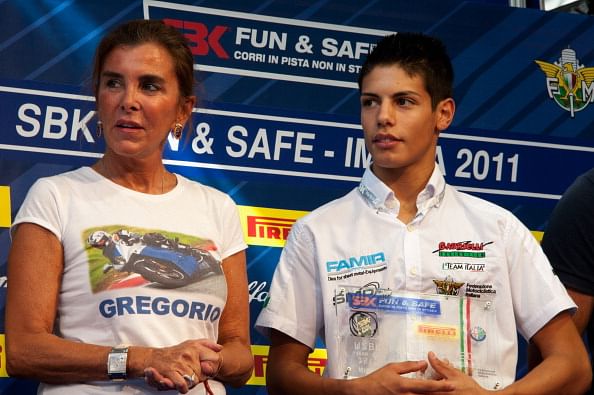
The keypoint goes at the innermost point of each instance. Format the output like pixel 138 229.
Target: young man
pixel 414 287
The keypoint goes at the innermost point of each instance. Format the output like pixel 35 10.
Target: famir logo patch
pixel 355 262
pixel 569 83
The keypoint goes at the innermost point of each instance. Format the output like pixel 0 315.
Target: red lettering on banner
pixel 260 362
pixel 316 365
pixel 201 40
pixel 269 227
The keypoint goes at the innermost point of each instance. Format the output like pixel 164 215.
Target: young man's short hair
pixel 417 54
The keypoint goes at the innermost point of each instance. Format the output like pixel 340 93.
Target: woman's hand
pixel 183 366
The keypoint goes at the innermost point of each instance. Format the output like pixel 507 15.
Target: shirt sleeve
pixel 41 207
pixel 232 236
pixel 537 293
pixel 295 307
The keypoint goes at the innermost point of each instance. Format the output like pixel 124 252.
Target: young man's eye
pixel 404 101
pixel 113 83
pixel 368 102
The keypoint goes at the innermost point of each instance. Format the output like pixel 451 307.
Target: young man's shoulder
pixel 333 210
pixel 477 204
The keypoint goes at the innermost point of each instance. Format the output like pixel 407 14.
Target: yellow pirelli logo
pixel 4 207
pixel 316 362
pixel 267 226
pixel 441 331
pixel 2 357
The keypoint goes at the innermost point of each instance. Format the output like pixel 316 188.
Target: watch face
pixel 117 362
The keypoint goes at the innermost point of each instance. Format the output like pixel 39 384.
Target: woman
pixel 125 277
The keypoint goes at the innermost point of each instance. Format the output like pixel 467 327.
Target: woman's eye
pixel 151 87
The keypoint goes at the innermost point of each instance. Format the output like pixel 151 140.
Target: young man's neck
pixel 406 183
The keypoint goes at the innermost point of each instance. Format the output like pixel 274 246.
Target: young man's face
pixel 399 125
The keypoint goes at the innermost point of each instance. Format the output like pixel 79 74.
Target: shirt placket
pixel 413 275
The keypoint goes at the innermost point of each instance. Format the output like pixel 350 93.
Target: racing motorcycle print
pixel 155 257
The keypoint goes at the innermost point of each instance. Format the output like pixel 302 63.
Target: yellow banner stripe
pixel 2 357
pixel 316 362
pixel 5 221
pixel 267 226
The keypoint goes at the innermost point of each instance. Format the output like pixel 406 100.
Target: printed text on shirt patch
pixel 465 249
pixel 344 268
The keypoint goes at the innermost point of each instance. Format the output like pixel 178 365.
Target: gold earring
pixel 99 128
pixel 177 130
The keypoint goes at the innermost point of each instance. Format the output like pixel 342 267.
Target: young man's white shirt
pixel 357 277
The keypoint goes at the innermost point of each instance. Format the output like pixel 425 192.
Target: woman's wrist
pixel 137 360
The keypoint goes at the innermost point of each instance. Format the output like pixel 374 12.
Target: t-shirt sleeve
pixel 40 207
pixel 568 241
pixel 294 306
pixel 232 236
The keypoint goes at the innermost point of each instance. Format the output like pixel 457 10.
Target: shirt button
pixel 413 271
pixel 410 227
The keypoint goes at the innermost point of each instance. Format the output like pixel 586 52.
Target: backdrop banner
pixel 277 125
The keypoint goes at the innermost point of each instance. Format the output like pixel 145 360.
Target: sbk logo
pixel 201 39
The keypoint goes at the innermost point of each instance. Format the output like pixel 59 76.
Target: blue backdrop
pixel 278 123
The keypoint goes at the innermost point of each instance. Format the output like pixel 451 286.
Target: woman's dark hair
pixel 417 54
pixel 142 31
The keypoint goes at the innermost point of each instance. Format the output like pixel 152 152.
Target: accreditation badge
pixel 378 326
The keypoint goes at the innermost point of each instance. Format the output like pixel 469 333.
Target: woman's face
pixel 138 100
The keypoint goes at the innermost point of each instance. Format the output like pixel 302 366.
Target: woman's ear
pixel 445 113
pixel 186 108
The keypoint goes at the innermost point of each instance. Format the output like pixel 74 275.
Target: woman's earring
pixel 99 128
pixel 177 130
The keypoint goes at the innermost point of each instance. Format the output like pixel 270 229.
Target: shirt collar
pixel 380 197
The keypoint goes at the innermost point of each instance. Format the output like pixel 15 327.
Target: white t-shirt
pixel 153 279
pixel 459 280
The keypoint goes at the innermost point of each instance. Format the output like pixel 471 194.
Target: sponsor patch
pixel 478 334
pixel 466 249
pixel 440 331
pixel 394 304
pixel 476 290
pixel 461 266
pixel 448 286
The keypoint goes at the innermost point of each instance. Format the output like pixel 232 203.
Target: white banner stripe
pixel 260 170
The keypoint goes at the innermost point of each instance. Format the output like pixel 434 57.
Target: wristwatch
pixel 116 363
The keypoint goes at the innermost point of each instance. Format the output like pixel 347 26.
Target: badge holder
pixel 378 326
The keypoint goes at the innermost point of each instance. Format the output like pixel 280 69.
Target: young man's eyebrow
pixel 394 95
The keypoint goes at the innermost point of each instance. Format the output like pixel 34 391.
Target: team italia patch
pixel 464 249
pixel 569 83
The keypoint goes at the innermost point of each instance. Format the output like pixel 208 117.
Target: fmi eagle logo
pixel 568 82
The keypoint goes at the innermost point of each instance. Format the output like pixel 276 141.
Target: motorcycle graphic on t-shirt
pixel 155 257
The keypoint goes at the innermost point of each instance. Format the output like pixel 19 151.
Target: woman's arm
pixel 35 266
pixel 234 333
